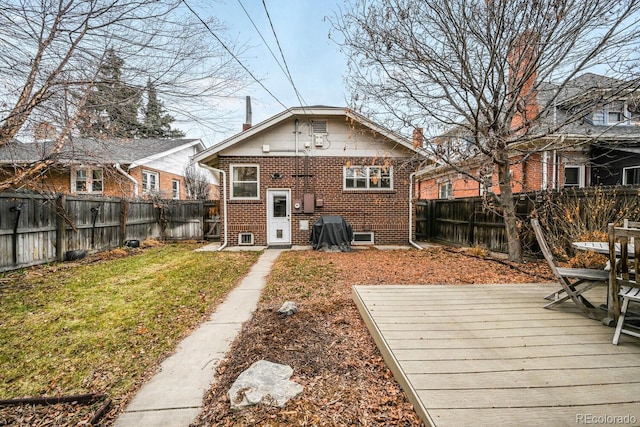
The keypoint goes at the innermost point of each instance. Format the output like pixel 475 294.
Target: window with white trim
pixel 175 189
pixel 368 178
pixel 150 182
pixel 97 180
pixel 573 176
pixel 87 180
pixel 486 184
pixel 631 176
pixel 614 113
pixel 245 181
pixel 445 190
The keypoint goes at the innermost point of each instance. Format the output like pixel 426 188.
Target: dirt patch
pixel 333 356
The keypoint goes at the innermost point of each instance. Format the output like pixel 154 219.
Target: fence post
pixel 61 231
pixel 471 226
pixel 124 213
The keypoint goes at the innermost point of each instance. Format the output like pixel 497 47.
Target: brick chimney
pixel 522 57
pixel 247 122
pixel 418 137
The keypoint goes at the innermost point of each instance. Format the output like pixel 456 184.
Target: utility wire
pixel 232 54
pixel 263 39
pixel 288 73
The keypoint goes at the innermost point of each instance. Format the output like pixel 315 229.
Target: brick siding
pixel 385 212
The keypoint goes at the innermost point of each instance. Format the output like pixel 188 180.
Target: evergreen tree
pixel 157 122
pixel 111 108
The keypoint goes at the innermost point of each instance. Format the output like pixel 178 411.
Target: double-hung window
pixel 631 176
pixel 368 178
pixel 87 180
pixel 573 176
pixel 445 190
pixel 245 181
pixel 150 182
pixel 175 189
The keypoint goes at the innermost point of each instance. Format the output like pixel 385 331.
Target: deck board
pixel 492 355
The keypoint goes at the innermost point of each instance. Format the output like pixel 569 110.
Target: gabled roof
pixel 130 152
pixel 312 111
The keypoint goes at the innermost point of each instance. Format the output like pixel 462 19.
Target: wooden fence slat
pixel 465 222
pixel 50 226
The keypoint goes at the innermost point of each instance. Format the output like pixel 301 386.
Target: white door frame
pixel 273 223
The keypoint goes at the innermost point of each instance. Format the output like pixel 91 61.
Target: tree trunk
pixel 509 213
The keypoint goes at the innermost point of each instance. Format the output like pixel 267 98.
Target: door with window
pixel 279 217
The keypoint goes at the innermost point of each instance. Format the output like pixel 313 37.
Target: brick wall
pixel 526 176
pixel 58 180
pixel 385 212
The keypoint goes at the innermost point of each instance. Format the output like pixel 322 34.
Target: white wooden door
pixel 279 217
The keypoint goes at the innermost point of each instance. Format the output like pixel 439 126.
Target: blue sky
pixel 315 62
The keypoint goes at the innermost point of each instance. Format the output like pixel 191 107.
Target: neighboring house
pixel 281 175
pixel 130 168
pixel 601 148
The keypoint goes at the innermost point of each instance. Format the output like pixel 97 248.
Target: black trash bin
pixel 331 233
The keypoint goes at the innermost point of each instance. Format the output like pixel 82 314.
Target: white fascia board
pixel 162 154
pixel 211 152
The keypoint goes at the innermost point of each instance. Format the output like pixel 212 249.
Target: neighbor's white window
pixel 245 181
pixel 150 182
pixel 486 184
pixel 445 190
pixel 97 180
pixel 573 176
pixel 175 189
pixel 616 113
pixel 87 180
pixel 368 178
pixel 631 176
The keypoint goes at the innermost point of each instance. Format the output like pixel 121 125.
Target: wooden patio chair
pixel 623 283
pixel 573 281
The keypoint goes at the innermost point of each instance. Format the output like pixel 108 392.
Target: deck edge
pixel 390 359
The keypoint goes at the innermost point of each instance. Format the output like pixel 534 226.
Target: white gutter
pixel 224 201
pixel 132 179
pixel 411 212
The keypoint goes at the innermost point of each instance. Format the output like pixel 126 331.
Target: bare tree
pixel 481 68
pixel 52 51
pixel 197 182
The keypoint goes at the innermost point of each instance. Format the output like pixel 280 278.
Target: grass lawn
pixel 101 327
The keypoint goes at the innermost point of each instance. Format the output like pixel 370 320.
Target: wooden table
pixel 603 248
pixel 599 247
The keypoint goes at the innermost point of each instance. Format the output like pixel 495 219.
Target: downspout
pixel 411 212
pixel 556 171
pixel 224 201
pixel 132 179
pixel 545 171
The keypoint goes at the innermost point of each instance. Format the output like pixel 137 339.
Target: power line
pixel 231 53
pixel 262 37
pixel 295 89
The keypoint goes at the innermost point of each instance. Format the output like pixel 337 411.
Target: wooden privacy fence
pixel 468 222
pixel 36 229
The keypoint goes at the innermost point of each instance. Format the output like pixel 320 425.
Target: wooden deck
pixel 487 355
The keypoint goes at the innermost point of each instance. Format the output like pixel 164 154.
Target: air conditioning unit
pixel 318 140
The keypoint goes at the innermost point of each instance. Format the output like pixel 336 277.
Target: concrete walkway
pixel 173 397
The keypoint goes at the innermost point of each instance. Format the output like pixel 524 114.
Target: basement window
pixel 245 239
pixel 362 238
